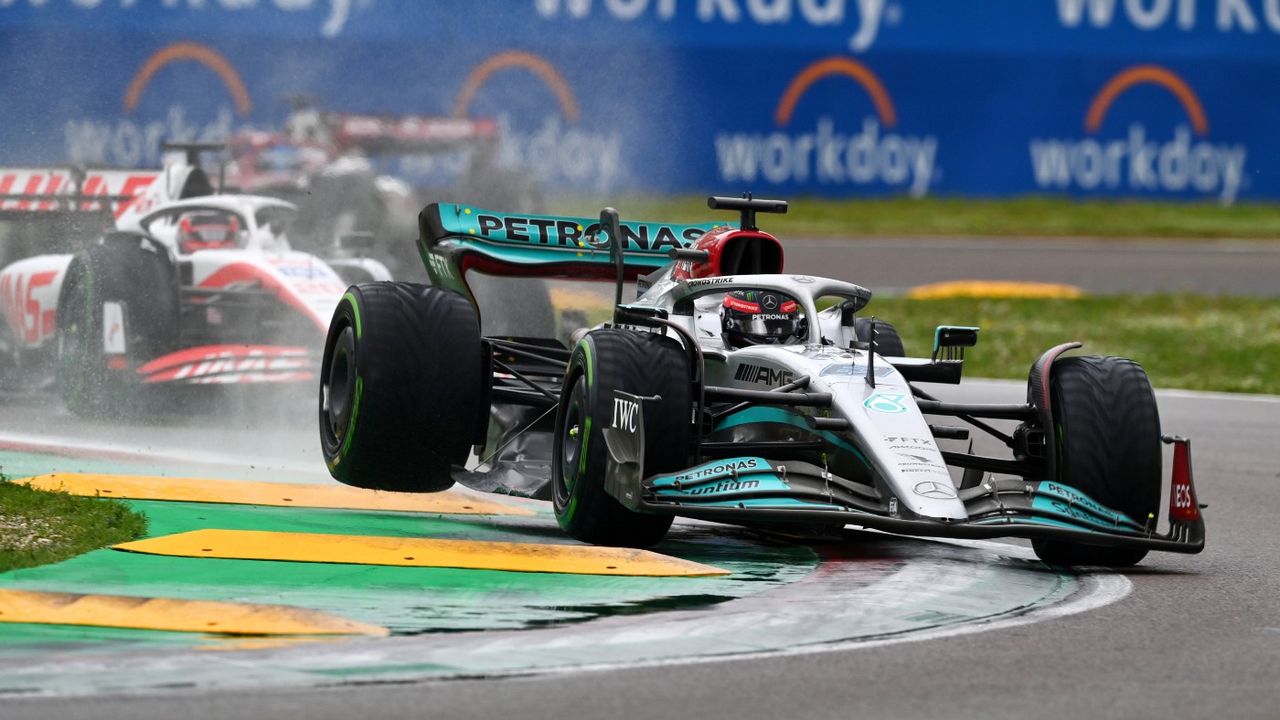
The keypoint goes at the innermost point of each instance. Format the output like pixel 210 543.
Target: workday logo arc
pixel 189 51
pixel 1139 160
pixel 873 156
pixel 127 141
pixel 517 59
pixel 557 149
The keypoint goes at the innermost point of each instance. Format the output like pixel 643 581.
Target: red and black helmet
pixel 761 317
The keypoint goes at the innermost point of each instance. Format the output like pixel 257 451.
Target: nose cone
pixel 894 435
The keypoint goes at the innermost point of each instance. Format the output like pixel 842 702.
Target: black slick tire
pixel 888 342
pixel 1108 432
pixel 132 273
pixel 401 386
pixel 643 364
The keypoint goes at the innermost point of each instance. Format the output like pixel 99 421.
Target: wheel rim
pixel 340 383
pixel 572 436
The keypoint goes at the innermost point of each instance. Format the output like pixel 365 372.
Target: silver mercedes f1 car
pixel 730 391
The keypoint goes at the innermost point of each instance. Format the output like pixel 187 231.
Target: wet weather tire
pixel 120 272
pixel 401 387
pixel 642 364
pixel 1108 431
pixel 888 342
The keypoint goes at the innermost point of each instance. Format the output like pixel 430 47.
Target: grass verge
pixel 1023 216
pixel 38 527
pixel 1192 342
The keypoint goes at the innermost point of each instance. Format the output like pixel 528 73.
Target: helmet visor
pixel 769 325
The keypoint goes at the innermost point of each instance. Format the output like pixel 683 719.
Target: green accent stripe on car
pixel 1076 505
pixel 753 415
pixel 1034 520
pixel 355 312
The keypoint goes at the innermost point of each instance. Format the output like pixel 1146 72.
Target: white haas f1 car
pixel 190 287
pixel 732 392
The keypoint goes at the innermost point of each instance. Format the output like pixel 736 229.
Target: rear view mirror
pixel 949 341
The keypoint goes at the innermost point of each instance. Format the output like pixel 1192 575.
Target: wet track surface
pixel 780 596
pixel 1196 634
pixel 1179 636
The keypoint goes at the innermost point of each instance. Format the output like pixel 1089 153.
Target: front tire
pixel 401 387
pixel 888 342
pixel 125 280
pixel 643 364
pixel 1108 431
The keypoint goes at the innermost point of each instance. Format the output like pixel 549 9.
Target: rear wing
pixel 454 239
pixel 378 135
pixel 26 191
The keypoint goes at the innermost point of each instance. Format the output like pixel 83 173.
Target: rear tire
pixel 888 343
pixel 401 387
pixel 133 272
pixel 1108 430
pixel 639 363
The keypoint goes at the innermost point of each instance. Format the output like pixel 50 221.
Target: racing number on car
pixel 624 414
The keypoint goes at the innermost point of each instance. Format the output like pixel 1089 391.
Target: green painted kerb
pixel 406 600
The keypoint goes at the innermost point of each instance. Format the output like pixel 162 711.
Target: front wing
pixel 752 490
pixel 231 364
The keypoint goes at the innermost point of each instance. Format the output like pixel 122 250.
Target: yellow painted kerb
pixel 420 552
pixel 172 614
pixel 565 299
pixel 141 487
pixel 993 289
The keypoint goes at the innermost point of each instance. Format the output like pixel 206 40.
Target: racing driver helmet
pixel 208 230
pixel 760 317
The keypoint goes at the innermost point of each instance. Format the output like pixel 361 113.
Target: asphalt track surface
pixel 1103 266
pixel 1196 636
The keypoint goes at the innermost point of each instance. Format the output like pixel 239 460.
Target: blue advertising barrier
pixel 1146 98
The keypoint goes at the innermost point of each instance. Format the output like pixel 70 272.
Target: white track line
pixel 1098 591
pixel 1206 395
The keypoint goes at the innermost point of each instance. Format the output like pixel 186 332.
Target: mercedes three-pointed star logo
pixel 934 490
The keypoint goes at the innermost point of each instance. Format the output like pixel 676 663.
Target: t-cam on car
pixel 729 391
